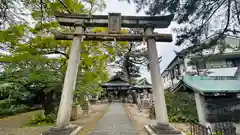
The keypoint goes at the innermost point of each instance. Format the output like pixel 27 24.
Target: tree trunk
pixel 48 105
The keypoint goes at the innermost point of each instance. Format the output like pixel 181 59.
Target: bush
pixel 181 107
pixel 14 109
pixel 182 119
pixel 42 119
pixel 6 103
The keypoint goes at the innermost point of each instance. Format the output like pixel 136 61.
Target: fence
pixel 221 128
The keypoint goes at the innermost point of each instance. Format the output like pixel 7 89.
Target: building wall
pixel 171 77
pixel 216 64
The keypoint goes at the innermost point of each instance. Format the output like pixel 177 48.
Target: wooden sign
pixel 114 23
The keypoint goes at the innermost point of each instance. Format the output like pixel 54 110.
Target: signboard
pixel 114 23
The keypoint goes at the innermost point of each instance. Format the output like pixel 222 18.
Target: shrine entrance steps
pixel 115 122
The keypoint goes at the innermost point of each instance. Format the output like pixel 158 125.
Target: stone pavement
pixel 114 122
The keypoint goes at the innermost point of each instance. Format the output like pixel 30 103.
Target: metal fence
pixel 220 128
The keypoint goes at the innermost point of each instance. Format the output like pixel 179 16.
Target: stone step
pixel 168 132
pixel 165 129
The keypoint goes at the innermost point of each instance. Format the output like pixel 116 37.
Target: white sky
pixel 166 50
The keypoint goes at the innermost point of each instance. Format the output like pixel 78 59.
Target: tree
pixel 28 67
pixel 131 58
pixel 208 20
pixel 16 12
pixel 35 81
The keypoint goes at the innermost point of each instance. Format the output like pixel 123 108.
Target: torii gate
pixel 114 22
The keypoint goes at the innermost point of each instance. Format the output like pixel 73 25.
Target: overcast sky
pixel 166 50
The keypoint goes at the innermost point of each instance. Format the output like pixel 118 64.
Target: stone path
pixel 114 122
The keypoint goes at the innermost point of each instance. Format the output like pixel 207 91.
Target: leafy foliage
pixel 42 119
pixel 9 107
pixel 16 12
pixel 181 108
pixel 132 58
pixel 199 20
pixel 34 64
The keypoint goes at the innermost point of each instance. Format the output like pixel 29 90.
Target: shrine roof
pixel 212 84
pixel 115 81
pixel 143 83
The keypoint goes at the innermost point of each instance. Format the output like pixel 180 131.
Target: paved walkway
pixel 115 122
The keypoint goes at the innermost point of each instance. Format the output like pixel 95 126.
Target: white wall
pixel 233 42
pixel 216 64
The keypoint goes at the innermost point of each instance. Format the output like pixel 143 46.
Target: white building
pixel 209 62
pixel 213 76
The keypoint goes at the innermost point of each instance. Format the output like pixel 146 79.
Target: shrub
pixel 181 108
pixel 42 119
pixel 14 109
pixel 6 103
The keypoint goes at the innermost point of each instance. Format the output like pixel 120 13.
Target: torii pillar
pixel 157 83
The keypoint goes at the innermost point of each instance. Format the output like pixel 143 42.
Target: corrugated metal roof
pixel 207 84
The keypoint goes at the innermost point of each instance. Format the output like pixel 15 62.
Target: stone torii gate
pixel 114 22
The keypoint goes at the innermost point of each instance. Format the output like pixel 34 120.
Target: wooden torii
pixel 114 22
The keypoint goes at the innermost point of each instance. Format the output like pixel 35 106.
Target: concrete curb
pixel 149 130
pixel 77 130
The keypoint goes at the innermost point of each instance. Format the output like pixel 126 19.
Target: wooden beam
pixel 126 21
pixel 111 37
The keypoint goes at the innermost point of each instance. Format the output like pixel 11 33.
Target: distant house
pixel 208 62
pixel 213 76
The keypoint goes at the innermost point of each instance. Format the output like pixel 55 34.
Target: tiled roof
pixel 115 81
pixel 209 84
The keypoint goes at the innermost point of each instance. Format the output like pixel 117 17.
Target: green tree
pixel 198 20
pixel 132 58
pixel 28 67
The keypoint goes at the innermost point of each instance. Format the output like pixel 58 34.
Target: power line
pixel 65 6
